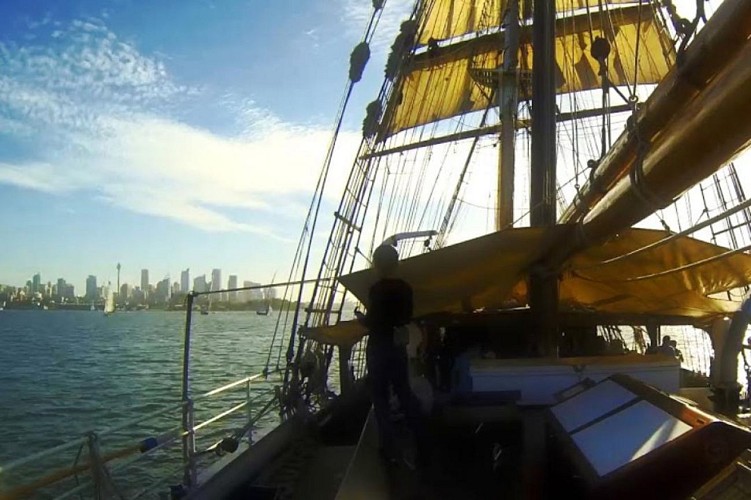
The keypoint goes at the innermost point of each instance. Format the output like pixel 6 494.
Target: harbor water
pixel 65 373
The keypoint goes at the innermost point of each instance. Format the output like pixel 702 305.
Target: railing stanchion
pixel 249 411
pixel 189 439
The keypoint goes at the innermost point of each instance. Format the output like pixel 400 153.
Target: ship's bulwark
pixel 490 273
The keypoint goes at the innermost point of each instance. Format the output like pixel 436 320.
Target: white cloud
pixel 97 111
pixel 357 14
pixel 37 176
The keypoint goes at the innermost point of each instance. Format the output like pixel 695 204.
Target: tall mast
pixel 543 290
pixel 507 104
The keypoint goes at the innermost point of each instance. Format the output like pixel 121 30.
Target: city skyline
pixel 38 280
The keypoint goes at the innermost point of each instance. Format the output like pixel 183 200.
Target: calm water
pixel 63 373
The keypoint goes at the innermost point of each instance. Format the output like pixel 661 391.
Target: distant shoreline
pixel 252 306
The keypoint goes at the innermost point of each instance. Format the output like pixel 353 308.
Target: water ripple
pixel 68 372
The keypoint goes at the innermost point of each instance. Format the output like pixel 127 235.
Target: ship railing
pixel 102 467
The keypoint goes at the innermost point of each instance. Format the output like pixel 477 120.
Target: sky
pixel 173 134
pixel 170 135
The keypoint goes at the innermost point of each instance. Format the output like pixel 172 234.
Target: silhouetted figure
pixel 430 352
pixel 666 348
pixel 678 353
pixel 389 308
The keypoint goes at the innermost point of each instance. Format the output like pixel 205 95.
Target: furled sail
pixel 441 82
pixel 679 278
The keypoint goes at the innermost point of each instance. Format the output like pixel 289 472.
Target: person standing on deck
pixel 389 309
pixel 666 348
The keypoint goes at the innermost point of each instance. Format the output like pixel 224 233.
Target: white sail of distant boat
pixel 265 309
pixel 109 301
pixel 269 294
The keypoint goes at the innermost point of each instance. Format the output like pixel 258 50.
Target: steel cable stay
pixel 309 226
pixel 346 229
pixel 446 224
pixel 419 195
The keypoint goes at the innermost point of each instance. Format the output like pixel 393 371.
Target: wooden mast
pixel 543 282
pixel 507 104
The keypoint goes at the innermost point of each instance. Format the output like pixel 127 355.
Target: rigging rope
pixel 306 238
pixel 636 53
pixel 673 237
pixel 667 272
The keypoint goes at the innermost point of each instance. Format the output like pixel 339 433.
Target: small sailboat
pixel 109 301
pixel 266 308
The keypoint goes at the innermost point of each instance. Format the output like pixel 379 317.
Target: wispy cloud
pixel 357 13
pixel 101 117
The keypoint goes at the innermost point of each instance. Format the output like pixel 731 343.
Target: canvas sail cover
pixel 439 84
pixel 490 273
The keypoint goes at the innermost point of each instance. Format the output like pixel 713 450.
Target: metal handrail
pixel 79 440
pixel 232 410
pixel 229 386
pixel 165 439
pixel 41 454
pixel 134 452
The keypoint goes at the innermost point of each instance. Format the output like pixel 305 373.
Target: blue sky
pixel 170 134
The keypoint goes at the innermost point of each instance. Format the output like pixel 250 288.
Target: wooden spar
pixel 489 130
pixel 723 36
pixel 704 135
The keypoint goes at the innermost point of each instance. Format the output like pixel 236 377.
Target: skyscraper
pixel 162 293
pixel 145 280
pixel 36 283
pixel 185 281
pixel 256 294
pixel 216 280
pixel 61 288
pixel 199 284
pixel 232 283
pixel 91 293
pixel 246 295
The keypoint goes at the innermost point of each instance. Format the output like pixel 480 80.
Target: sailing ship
pixel 503 84
pixel 625 113
pixel 473 91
